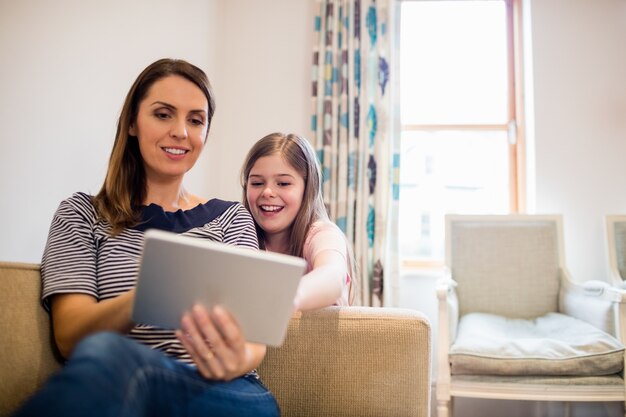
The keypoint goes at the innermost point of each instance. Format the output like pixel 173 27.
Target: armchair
pixel 512 323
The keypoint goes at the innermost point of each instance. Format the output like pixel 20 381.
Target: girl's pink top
pixel 325 235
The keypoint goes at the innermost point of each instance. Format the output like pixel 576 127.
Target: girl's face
pixel 274 193
pixel 171 127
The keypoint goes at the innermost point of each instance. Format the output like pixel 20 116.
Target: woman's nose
pixel 179 129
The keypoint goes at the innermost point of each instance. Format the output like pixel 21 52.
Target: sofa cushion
pixel 553 344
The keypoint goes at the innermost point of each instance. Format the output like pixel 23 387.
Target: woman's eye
pixel 161 115
pixel 197 122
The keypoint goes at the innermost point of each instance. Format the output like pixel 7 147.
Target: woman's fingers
pixel 186 340
pixel 214 341
pixel 192 340
pixel 211 341
pixel 195 327
pixel 231 345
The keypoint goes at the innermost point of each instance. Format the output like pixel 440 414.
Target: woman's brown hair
pixel 124 188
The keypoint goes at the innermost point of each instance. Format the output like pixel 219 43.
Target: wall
pixel 67 66
pixel 66 69
pixel 265 51
pixel 580 122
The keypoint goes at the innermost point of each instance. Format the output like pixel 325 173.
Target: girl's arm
pixel 323 285
pixel 325 249
pixel 74 316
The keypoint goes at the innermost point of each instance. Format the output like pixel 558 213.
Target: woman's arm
pixel 74 316
pixel 69 278
pixel 217 345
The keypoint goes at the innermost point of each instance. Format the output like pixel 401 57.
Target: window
pixel 459 118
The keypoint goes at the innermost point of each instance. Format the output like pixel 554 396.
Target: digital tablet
pixel 257 287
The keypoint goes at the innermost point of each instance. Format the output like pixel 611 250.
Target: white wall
pixel 67 65
pixel 264 74
pixel 580 122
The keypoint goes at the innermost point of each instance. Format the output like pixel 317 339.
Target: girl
pixel 281 183
pixel 89 268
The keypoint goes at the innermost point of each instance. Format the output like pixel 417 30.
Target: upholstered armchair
pixel 616 248
pixel 513 324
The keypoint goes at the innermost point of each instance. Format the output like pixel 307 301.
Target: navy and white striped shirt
pixel 82 257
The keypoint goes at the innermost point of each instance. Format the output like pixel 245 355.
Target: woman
pixel 90 263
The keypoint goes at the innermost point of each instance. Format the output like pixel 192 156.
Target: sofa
pixel 338 361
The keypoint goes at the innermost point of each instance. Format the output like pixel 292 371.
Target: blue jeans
pixel 112 375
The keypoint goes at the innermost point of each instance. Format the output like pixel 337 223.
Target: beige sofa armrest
pixel 26 343
pixel 352 361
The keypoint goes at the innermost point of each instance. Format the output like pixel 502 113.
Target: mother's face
pixel 171 127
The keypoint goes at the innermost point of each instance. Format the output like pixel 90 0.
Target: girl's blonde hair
pixel 124 188
pixel 299 154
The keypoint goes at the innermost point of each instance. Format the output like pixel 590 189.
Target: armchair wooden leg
pixel 567 409
pixel 443 409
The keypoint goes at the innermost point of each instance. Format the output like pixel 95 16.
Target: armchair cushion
pixel 553 344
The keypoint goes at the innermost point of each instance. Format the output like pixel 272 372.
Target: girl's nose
pixel 268 192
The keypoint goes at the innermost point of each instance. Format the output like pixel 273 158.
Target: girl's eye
pixel 256 184
pixel 284 184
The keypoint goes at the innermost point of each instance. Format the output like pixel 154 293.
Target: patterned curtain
pixel 352 131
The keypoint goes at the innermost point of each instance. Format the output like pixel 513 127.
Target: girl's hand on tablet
pixel 215 342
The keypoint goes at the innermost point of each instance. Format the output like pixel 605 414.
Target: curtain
pixel 352 134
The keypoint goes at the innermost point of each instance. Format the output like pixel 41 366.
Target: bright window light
pixel 454 98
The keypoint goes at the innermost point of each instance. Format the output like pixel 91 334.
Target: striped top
pixel 82 257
